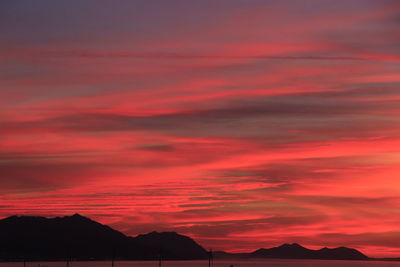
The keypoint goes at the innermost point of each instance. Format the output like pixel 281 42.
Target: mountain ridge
pixel 296 251
pixel 81 238
pixel 78 237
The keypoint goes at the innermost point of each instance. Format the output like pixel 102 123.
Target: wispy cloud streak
pixel 244 124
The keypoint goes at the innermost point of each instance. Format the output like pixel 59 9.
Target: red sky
pixel 243 124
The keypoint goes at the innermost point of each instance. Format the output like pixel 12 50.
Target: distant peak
pixel 292 245
pixel 162 236
pixel 78 216
pixel 153 233
pixel 162 233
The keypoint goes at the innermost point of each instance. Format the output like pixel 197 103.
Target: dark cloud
pixel 156 147
pixel 272 114
pixel 45 176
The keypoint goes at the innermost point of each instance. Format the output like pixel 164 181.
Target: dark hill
pixel 39 238
pixel 172 245
pixel 340 253
pixel 295 251
pixel 78 237
pixel 291 251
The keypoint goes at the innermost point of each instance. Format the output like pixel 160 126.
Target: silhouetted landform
pixel 296 251
pixel 173 246
pixel 79 238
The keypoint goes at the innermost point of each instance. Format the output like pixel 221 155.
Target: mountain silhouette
pixel 296 251
pixel 172 245
pixel 340 253
pixel 79 238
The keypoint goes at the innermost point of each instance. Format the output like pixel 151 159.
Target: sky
pixel 241 123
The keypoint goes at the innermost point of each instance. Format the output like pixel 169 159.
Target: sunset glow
pixel 240 123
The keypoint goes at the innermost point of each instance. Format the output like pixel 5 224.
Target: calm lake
pixel 217 263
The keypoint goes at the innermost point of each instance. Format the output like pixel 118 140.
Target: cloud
pixel 241 123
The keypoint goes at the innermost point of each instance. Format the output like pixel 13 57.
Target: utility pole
pixel 68 257
pixel 160 258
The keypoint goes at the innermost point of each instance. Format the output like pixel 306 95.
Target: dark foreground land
pixel 79 238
